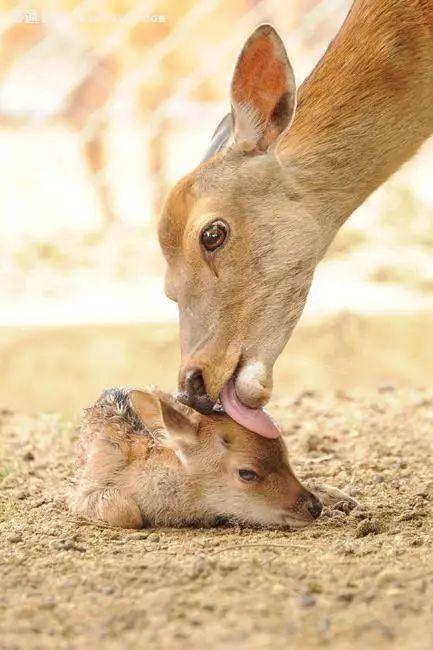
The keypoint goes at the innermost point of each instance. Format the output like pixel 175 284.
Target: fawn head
pixel 235 474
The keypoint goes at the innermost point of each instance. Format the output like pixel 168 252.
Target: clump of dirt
pixel 362 579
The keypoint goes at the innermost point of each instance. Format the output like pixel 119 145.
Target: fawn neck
pixel 365 109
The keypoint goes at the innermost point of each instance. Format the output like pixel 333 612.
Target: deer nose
pixel 194 393
pixel 315 507
pixel 194 382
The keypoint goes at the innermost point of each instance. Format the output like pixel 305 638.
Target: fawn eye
pixel 214 236
pixel 248 475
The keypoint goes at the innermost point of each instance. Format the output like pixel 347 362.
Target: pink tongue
pixel 255 420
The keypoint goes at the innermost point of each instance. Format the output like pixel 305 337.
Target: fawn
pixel 147 459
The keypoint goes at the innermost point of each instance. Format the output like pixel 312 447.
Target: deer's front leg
pixel 331 496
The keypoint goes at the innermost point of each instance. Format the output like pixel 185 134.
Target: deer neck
pixel 364 110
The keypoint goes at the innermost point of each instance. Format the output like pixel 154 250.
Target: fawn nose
pixel 315 507
pixel 193 392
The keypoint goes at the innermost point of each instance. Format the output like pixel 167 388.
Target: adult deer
pixel 243 233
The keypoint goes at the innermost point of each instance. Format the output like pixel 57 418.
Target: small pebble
pixel 348 549
pixel 198 568
pixel 341 394
pixel 209 607
pixel 39 502
pixel 344 507
pixel 422 587
pixel 337 514
pixel 394 531
pixel 353 491
pixel 5 412
pixel 67 544
pixel 142 534
pixel 226 566
pixel 113 534
pixel 15 538
pixel 360 513
pixel 345 596
pixel 387 577
pixel 409 515
pixel 323 625
pixel 278 590
pixel 312 442
pixel 386 388
pixel 367 527
pixel 307 600
pixel 315 587
pixel 47 603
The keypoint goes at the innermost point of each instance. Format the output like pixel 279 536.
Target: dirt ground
pixel 363 580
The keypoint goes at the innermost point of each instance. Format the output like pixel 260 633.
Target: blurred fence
pixel 104 104
pixel 157 70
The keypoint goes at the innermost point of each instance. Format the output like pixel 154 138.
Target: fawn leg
pixel 96 497
pixel 113 507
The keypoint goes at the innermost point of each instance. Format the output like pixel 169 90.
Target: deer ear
pixel 175 423
pixel 263 92
pixel 220 137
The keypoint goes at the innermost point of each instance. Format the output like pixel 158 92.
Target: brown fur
pixel 145 458
pixel 363 112
pixel 343 144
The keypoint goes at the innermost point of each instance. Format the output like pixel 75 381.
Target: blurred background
pixel 103 105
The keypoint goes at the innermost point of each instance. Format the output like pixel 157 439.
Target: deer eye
pixel 248 475
pixel 214 236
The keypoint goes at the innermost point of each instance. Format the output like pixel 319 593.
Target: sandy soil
pixel 363 580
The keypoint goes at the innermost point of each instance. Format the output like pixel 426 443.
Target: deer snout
pixel 193 391
pixel 310 506
pixel 306 508
pixel 314 507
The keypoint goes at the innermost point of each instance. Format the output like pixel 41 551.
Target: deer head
pixel 243 232
pixel 240 245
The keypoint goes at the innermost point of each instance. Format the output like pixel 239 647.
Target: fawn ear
pixel 176 424
pixel 181 424
pixel 263 92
